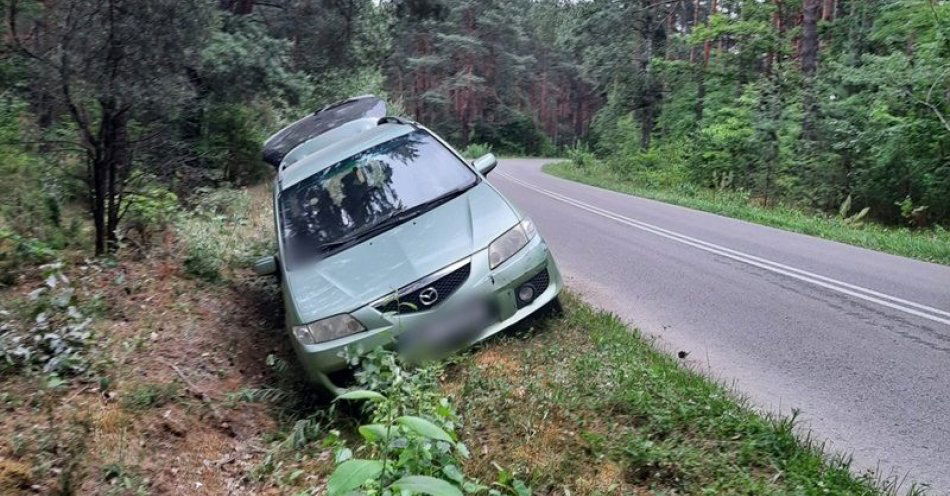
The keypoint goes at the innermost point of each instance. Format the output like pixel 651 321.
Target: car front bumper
pixel 499 285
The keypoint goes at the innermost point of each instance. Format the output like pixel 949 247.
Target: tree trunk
pixel 772 112
pixel 692 25
pixel 828 10
pixel 810 37
pixel 809 55
pixel 772 57
pixel 109 164
pixel 700 95
pixel 646 129
pixel 118 168
pixel 98 192
pixel 701 73
pixel 707 46
pixel 653 34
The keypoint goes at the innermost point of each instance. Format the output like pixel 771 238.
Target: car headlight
pixel 327 329
pixel 506 245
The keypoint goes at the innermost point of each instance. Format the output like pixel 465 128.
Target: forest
pixel 128 106
pixel 140 355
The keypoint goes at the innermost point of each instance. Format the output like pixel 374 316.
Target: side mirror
pixel 485 163
pixel 266 266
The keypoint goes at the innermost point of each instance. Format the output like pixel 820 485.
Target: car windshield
pixel 368 193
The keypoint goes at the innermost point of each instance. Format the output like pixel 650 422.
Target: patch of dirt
pixel 120 430
pixel 497 361
pixel 14 476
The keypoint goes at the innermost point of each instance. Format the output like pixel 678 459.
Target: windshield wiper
pixel 435 202
pixel 394 219
pixel 354 236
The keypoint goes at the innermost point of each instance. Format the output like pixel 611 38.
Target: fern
pixel 259 395
pixel 845 208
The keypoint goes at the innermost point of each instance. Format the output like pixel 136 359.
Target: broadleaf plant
pixel 411 442
pixel 352 474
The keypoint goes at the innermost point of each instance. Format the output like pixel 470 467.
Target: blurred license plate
pixel 448 329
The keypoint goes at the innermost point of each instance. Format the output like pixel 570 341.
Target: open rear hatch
pixel 281 143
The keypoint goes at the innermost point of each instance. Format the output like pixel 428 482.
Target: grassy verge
pixel 584 406
pixel 931 245
pixel 178 378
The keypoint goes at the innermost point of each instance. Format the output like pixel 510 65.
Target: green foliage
pixel 145 396
pixel 339 83
pixel 726 142
pixel 18 252
pixel 412 436
pixel 48 333
pixel 420 484
pixel 915 215
pixel 223 232
pixel 882 127
pixel 581 157
pixel 615 132
pixel 202 260
pixel 588 392
pixel 241 61
pixel 155 206
pixel 361 394
pixel 231 143
pixel 149 212
pixel 476 150
pixel 932 245
pixel 352 474
pixel 516 134
pixel 124 480
pixel 33 227
pixel 499 73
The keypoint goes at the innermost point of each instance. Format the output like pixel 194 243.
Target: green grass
pixel 931 245
pixel 151 395
pixel 582 405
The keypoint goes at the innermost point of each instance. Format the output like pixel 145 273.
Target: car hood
pixel 382 264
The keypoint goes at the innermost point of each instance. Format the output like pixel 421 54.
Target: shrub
pixel 476 150
pixel 726 143
pixel 203 260
pixel 662 166
pixel 32 223
pixel 17 251
pixel 411 439
pixel 231 143
pixel 49 333
pixel 226 229
pixel 582 157
pixel 149 213
pixel 512 132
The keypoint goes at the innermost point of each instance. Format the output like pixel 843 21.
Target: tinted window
pixel 358 193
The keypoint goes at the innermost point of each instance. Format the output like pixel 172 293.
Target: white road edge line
pixel 802 275
pixel 753 257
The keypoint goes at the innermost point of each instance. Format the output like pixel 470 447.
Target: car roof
pixel 331 147
pixel 326 119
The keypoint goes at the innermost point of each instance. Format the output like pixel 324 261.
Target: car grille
pixel 539 282
pixel 415 301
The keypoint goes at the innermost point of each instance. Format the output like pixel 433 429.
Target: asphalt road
pixel 857 340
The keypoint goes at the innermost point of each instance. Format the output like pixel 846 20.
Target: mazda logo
pixel 428 296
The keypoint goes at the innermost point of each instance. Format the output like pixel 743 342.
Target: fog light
pixel 526 293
